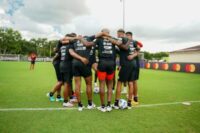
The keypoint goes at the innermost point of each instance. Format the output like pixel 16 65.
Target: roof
pixel 190 49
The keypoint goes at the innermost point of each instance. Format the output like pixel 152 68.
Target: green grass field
pixel 21 88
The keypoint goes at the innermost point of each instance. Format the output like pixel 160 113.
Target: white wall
pixel 193 57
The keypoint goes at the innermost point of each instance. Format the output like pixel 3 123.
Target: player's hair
pixel 121 30
pixel 129 33
pixel 105 30
pixel 71 35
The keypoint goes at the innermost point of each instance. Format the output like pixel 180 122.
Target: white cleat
pixel 74 100
pixel 109 108
pixel 115 107
pixel 92 106
pixel 68 104
pixel 81 108
pixel 129 107
pixel 101 109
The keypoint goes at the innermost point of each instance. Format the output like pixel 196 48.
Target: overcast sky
pixel 161 25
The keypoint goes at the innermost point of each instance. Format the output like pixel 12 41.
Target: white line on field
pixel 50 109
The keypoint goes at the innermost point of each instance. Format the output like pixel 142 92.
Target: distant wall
pixel 176 67
pixel 193 57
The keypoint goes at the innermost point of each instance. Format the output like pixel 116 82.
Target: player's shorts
pixel 80 69
pixel 32 62
pixel 137 73
pixel 58 73
pixel 67 77
pixel 127 73
pixel 106 70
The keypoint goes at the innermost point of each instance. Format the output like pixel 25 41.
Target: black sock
pixel 90 102
pixel 58 96
pixel 116 102
pixel 108 104
pixel 51 94
pixel 65 101
pixel 80 104
pixel 135 99
pixel 129 103
pixel 103 105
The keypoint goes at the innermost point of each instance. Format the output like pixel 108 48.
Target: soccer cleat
pixel 133 103
pixel 59 99
pixel 129 107
pixel 80 108
pixel 68 104
pixel 51 98
pixel 73 100
pixel 102 109
pixel 91 106
pixel 115 107
pixel 108 108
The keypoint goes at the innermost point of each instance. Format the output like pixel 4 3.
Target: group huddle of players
pixel 76 56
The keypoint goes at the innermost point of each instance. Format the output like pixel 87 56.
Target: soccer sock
pixel 71 97
pixel 65 101
pixel 135 98
pixel 116 102
pixel 58 96
pixel 129 103
pixel 90 102
pixel 108 104
pixel 80 104
pixel 51 94
pixel 103 105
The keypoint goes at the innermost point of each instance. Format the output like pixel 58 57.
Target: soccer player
pixel 128 64
pixel 33 58
pixel 66 69
pixel 82 68
pixel 57 87
pixel 137 45
pixel 106 54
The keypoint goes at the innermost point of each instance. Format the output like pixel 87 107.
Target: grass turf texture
pixel 21 88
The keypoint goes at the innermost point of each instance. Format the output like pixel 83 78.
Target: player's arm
pixel 85 42
pixel 114 41
pixel 124 46
pixel 77 56
pixel 132 56
pixel 119 43
pixel 55 56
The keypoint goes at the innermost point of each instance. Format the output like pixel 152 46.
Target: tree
pixel 10 41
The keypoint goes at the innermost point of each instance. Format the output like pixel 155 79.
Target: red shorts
pixel 105 76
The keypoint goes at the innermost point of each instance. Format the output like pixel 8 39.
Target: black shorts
pixel 67 77
pixel 57 70
pixel 80 69
pixel 137 73
pixel 32 62
pixel 127 73
pixel 106 66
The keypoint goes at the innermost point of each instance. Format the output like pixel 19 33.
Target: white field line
pixel 51 109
